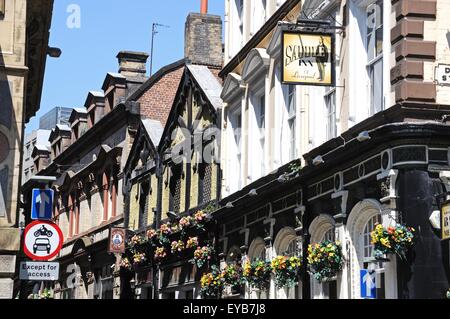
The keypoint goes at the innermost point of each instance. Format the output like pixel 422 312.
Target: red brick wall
pixel 157 101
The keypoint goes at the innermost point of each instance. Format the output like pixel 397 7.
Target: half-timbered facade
pixel 173 171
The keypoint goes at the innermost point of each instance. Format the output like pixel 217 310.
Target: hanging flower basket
pixel 392 240
pixel 257 274
pixel 125 264
pixel 160 254
pixel 177 247
pixel 136 242
pixel 192 243
pixel 152 236
pixel 232 275
pixel 200 220
pixel 286 270
pixel 164 231
pixel 185 223
pixel 325 260
pixel 139 259
pixel 212 285
pixel 202 255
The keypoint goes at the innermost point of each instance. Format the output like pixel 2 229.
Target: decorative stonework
pixel 411 50
pixel 6 288
pixel 7 264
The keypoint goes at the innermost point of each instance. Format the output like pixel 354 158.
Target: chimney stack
pixel 203 38
pixel 132 64
pixel 204 7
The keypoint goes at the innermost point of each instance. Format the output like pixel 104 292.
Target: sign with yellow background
pixel 308 58
pixel 445 215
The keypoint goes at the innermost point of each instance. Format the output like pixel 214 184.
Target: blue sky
pixel 107 27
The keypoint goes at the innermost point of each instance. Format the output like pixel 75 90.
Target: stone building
pixel 24 35
pixel 302 164
pixel 87 157
pixel 173 170
pixel 37 138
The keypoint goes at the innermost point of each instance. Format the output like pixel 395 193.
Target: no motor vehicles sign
pixel 42 240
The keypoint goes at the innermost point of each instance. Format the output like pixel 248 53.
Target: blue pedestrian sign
pixel 368 284
pixel 42 204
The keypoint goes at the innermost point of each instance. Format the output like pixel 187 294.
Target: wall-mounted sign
pixel 308 58
pixel 442 74
pixel 368 284
pixel 445 217
pixel 117 237
pixel 42 204
pixel 42 240
pixel 39 271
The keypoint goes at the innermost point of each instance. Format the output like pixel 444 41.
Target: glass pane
pixel 377 87
pixel 371 18
pixel 379 13
pixel 379 41
pixel 370 47
pixel 292 150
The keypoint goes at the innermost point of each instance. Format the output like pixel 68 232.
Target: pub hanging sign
pixel 445 220
pixel 308 58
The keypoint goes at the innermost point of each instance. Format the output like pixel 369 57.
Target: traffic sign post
pixel 368 284
pixel 39 271
pixel 42 240
pixel 42 204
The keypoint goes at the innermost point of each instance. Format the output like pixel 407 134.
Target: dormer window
pixel 78 122
pixel 95 104
pixel 114 88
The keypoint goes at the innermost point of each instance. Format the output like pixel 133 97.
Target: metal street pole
pixel 154 32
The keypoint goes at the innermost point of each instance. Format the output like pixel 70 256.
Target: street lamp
pixel 133 286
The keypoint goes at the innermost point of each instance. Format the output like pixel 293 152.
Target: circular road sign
pixel 42 240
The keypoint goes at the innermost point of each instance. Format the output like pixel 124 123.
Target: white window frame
pixel 234 113
pixel 259 15
pixel 291 107
pixel 374 61
pixel 238 26
pixel 357 221
pixel 258 129
pixel 331 128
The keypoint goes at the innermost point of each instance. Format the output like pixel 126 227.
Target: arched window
pixel 323 228
pixel 361 222
pixel 329 234
pixel 368 229
pixel 292 249
pixel 288 244
pixel 257 250
pixel 234 255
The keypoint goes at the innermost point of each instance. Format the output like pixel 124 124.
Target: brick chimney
pixel 132 64
pixel 203 38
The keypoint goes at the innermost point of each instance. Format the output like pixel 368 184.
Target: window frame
pixel 331 109
pixel 374 58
